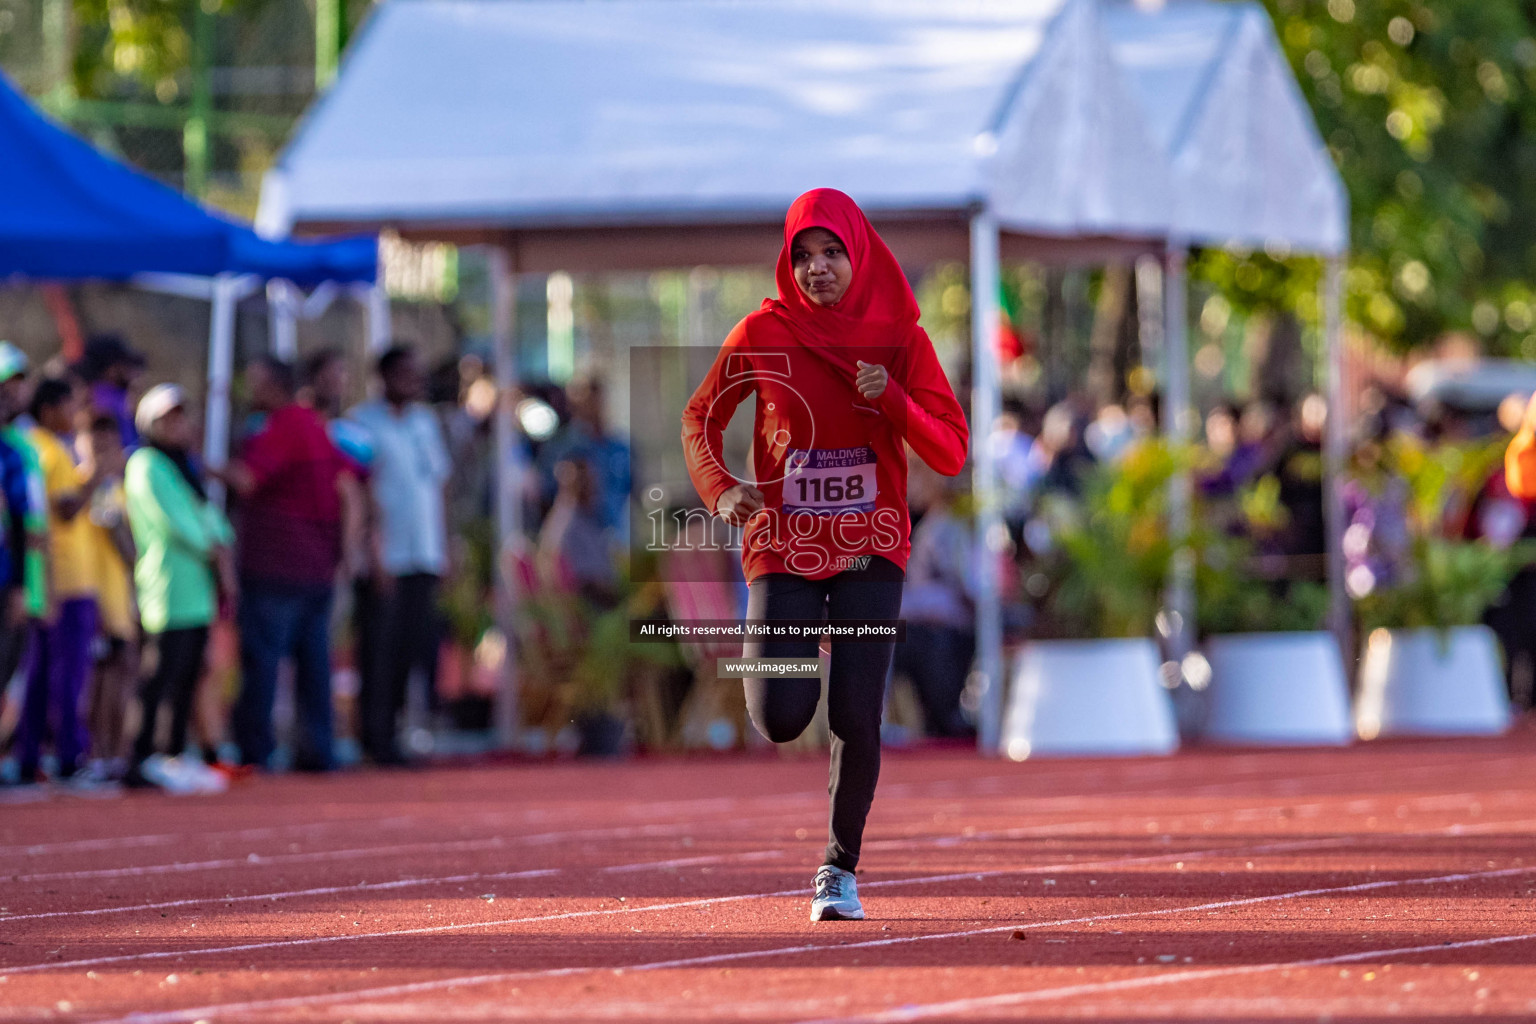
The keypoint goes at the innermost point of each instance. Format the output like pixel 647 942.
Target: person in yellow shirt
pixel 99 446
pixel 61 657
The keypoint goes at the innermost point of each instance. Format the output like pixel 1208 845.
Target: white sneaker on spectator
pixel 93 779
pixel 170 774
pixel 200 777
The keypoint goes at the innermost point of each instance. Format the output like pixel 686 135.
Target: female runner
pixel 844 379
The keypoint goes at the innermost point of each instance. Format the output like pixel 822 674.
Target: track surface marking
pixel 1392 879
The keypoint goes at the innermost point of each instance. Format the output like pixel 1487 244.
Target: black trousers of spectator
pixel 937 659
pixel 1513 619
pixel 13 648
pixel 178 655
pixel 395 634
pixel 13 642
pixel 782 708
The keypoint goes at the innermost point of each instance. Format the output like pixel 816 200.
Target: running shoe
pixel 837 896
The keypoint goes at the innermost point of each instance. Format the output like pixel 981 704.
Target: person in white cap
pixel 181 540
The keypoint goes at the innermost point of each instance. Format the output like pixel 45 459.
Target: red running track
pixel 1386 880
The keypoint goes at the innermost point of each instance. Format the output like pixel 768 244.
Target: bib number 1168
pixel 828 481
pixel 832 489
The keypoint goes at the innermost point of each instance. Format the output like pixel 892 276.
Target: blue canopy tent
pixel 73 212
pixel 70 212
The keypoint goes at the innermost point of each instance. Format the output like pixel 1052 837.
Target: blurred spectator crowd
pixel 329 595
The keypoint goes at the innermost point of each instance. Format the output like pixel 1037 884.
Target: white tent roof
pixel 1248 167
pixel 553 114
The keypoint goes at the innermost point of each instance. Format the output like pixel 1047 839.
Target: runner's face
pixel 821 264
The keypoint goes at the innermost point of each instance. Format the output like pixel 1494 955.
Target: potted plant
pixel 1276 676
pixel 467 604
pixel 581 670
pixel 1092 686
pixel 1430 667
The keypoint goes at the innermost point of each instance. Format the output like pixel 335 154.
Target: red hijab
pixel 878 311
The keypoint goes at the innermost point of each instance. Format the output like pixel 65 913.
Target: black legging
pixel 178 668
pixel 782 708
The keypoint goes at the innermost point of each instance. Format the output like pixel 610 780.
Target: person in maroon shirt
pixel 292 483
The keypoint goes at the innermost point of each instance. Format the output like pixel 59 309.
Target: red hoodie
pixel 832 465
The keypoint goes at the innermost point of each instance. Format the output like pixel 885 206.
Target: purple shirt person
pixel 112 366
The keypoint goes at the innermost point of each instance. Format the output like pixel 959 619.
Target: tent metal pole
pixel 1335 450
pixel 282 320
pixel 508 482
pixel 221 367
pixel 1179 430
pixel 380 327
pixel 990 532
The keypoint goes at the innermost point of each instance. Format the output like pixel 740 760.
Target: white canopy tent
pixel 550 114
pixel 1249 171
pixel 634 134
pixel 1247 166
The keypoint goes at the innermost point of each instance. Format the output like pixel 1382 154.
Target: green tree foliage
pixel 1428 107
pixel 125 46
pixel 143 43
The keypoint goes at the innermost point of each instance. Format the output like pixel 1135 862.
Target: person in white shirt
pixel 407 473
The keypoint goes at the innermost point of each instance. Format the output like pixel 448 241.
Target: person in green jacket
pixel 15 396
pixel 182 541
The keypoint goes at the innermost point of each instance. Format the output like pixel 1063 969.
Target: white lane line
pixel 637 810
pixel 633 868
pixel 673 864
pixel 549 837
pixel 770 854
pixel 962 1006
pixel 537 815
pixel 447 984
pixel 272 897
pixel 957 876
pixel 167 838
pixel 641 866
pixel 1285 846
pixel 1033 777
pixel 689 862
pixel 723 804
pixel 455 845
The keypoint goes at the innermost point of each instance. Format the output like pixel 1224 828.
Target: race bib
pixel 829 481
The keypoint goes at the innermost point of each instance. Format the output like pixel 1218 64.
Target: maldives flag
pixel 1009 343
